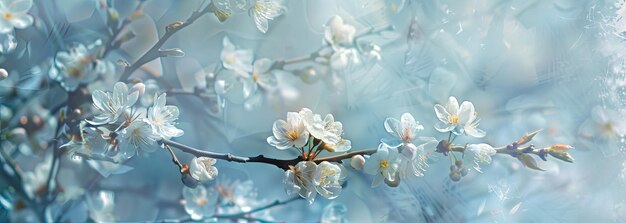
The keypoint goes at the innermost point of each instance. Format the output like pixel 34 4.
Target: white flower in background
pixel 327 130
pixel 36 179
pixel 290 133
pixel 413 157
pixel 370 51
pixel 163 117
pixel 262 74
pixel 265 10
pixel 235 59
pixel 383 164
pixel 482 154
pixel 13 14
pixel 202 169
pixel 339 33
pixel 334 213
pixel 101 205
pixel 77 66
pixel 139 134
pixel 609 122
pixel 326 180
pixel 299 180
pixel 344 57
pixel 457 119
pixel 111 105
pixel 200 201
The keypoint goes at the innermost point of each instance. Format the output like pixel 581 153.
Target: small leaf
pixel 515 208
pixel 528 137
pixel 529 161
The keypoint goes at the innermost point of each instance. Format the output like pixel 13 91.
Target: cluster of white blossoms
pixel 345 50
pixel 309 134
pixel 78 65
pixel 242 69
pixel 261 11
pixel 119 128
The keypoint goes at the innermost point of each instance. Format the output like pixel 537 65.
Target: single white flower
pixel 290 133
pixel 101 205
pixel 299 180
pixel 339 33
pixel 482 154
pixel 111 105
pixel 326 180
pixel 139 134
pixel 383 164
pixel 202 169
pixel 265 10
pixel 327 130
pixel 457 119
pixel 13 14
pixel 77 66
pixel 163 117
pixel 344 57
pixel 262 74
pixel 200 201
pixel 609 122
pixel 235 59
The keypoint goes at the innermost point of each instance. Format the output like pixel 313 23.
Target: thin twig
pixel 174 158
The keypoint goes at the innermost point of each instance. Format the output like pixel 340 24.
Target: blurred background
pixel 555 65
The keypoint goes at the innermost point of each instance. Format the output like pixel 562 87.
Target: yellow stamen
pixel 293 135
pixel 384 164
pixel 453 119
pixel 8 16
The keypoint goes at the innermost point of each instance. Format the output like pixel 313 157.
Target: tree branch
pixel 153 53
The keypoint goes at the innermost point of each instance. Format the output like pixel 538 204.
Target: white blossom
pixel 200 201
pixel 139 134
pixel 327 130
pixel 482 154
pixel 101 205
pixel 14 15
pixel 299 180
pixel 413 157
pixel 326 180
pixel 290 133
pixel 163 117
pixel 77 66
pixel 111 105
pixel 338 33
pixel 344 57
pixel 383 164
pixel 262 74
pixel 457 119
pixel 203 169
pixel 238 60
pixel 265 10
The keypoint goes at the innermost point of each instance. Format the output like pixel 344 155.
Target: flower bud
pixel 174 52
pixel 17 135
pixel 458 163
pixel 357 162
pixel 559 151
pixel 395 182
pixel 138 87
pixel 309 75
pixel 189 181
pixel 173 26
pixel 3 74
pixel 452 168
pixel 464 171
pixel 455 176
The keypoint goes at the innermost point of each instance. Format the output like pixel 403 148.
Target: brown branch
pixel 153 53
pixel 340 157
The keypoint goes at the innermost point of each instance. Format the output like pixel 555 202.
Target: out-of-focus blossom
pixel 299 180
pixel 457 119
pixel 265 10
pixel 482 154
pixel 203 169
pixel 383 164
pixel 111 105
pixel 334 213
pixel 101 205
pixel 14 15
pixel 339 33
pixel 344 57
pixel 326 180
pixel 262 74
pixel 238 60
pixel 610 123
pixel 327 130
pixel 163 118
pixel 77 66
pixel 200 201
pixel 3 74
pixel 290 133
